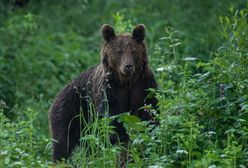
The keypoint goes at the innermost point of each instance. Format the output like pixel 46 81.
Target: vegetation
pixel 197 49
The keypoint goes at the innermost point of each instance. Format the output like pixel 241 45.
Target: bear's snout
pixel 128 69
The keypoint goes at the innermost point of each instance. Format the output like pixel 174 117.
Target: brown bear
pixel 123 77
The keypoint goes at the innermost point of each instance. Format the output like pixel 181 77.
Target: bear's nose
pixel 128 68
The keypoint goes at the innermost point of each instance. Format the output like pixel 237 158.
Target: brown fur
pixel 125 88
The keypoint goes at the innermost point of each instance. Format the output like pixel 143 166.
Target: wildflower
pixel 182 152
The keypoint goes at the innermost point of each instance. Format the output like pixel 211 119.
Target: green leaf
pixel 131 122
pixel 7 160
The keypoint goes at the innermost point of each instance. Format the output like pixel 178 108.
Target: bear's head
pixel 124 55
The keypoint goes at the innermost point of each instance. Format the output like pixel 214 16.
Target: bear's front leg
pixel 60 147
pixel 65 137
pixel 64 123
pixel 120 135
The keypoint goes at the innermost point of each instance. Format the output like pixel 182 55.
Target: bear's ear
pixel 139 32
pixel 108 32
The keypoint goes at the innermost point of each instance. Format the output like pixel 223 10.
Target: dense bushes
pixel 201 69
pixel 22 145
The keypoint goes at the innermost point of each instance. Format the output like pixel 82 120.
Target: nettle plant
pixel 203 105
pixel 21 145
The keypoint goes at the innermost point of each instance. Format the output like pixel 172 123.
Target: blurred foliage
pixel 198 50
